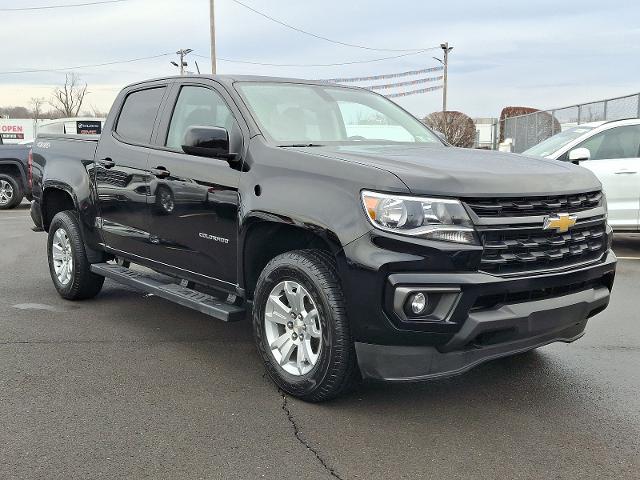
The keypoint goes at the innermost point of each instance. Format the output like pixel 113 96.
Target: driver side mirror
pixel 578 155
pixel 212 142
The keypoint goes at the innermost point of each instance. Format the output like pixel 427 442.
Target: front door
pixel 615 160
pixel 122 173
pixel 194 200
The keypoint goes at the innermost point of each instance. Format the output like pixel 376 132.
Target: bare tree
pixel 36 104
pixel 457 127
pixel 68 99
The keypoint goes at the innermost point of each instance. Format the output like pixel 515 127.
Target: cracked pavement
pixel 128 386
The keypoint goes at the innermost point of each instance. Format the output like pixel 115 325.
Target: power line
pixel 326 39
pixel 355 62
pixel 131 60
pixel 51 7
pixel 116 62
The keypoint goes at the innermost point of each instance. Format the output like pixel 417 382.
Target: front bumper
pixel 484 334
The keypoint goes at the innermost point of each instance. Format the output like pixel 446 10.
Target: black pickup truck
pixel 14 175
pixel 362 245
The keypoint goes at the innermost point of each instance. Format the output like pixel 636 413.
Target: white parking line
pixel 628 258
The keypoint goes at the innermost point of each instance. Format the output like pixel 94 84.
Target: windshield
pixel 300 114
pixel 555 143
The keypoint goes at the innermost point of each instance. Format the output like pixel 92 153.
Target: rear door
pixel 194 200
pixel 615 160
pixel 122 173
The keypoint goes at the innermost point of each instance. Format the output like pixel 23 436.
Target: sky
pixel 542 53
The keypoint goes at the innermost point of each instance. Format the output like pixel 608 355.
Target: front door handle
pixel 160 172
pixel 107 163
pixel 625 172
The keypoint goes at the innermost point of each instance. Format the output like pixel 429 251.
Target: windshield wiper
pixel 300 145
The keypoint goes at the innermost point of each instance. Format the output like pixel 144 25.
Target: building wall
pixel 487 132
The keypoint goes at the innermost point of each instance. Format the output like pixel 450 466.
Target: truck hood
pixel 449 171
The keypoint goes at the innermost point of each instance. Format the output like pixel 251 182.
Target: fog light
pixel 418 303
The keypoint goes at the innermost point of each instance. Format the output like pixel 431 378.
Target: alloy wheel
pixel 62 257
pixel 293 328
pixel 6 192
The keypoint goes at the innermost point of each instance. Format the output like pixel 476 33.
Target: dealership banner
pixel 16 130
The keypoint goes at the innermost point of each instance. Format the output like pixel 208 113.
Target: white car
pixel 611 150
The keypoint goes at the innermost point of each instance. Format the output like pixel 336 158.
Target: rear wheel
pixel 300 326
pixel 68 264
pixel 11 193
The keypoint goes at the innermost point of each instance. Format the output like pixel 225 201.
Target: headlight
pixel 431 218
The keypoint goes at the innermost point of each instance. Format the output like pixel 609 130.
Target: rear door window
pixel 138 115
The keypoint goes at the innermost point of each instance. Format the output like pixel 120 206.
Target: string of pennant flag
pixel 388 76
pixel 414 92
pixel 405 84
pixel 397 85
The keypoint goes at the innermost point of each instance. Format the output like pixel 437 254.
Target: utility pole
pixel 445 63
pixel 212 23
pixel 182 53
pixel 446 48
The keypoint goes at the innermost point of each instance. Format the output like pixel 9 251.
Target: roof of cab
pixel 229 79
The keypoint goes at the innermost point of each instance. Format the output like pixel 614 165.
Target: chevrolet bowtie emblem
pixel 561 222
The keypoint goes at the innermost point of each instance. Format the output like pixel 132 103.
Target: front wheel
pixel 11 193
pixel 68 264
pixel 300 326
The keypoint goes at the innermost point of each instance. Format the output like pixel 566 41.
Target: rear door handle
pixel 107 163
pixel 160 172
pixel 625 172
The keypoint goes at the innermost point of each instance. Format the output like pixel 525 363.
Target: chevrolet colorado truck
pixel 14 175
pixel 360 244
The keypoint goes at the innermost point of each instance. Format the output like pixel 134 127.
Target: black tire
pixel 336 368
pixel 83 284
pixel 17 192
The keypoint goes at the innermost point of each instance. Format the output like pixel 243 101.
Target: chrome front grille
pixel 528 248
pixel 532 206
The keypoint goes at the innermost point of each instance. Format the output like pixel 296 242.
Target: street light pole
pixel 182 53
pixel 212 26
pixel 446 48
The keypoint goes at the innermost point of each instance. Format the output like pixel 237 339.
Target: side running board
pixel 186 297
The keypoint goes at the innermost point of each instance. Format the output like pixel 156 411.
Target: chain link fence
pixel 528 130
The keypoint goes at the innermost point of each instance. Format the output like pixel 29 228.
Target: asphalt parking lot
pixel 128 386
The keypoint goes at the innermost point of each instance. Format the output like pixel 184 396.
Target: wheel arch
pixel 56 197
pixel 14 168
pixel 265 237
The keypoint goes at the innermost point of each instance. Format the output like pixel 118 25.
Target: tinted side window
pixel 619 142
pixel 202 107
pixel 138 115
